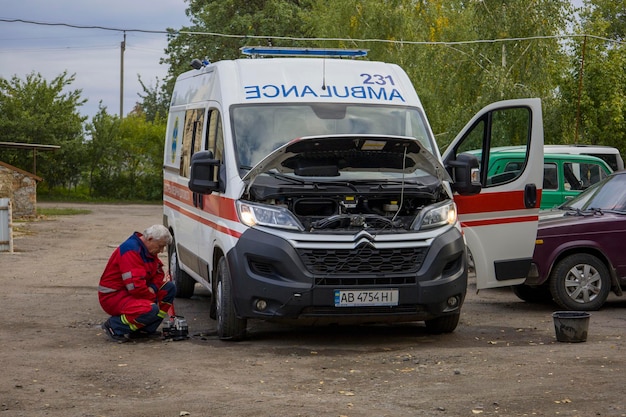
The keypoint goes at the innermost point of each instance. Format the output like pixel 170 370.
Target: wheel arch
pixel 218 252
pixel 589 249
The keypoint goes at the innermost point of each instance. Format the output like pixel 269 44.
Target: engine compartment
pixel 349 206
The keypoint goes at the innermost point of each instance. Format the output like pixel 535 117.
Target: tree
pixel 140 150
pixel 155 101
pixel 595 89
pixel 34 110
pixel 102 152
pixel 455 79
pixel 125 157
pixel 272 18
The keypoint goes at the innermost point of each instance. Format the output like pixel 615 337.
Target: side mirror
pixel 203 173
pixel 465 173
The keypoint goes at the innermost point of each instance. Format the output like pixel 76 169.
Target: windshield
pixel 609 194
pixel 260 129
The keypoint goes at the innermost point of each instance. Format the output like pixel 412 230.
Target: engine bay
pixel 351 205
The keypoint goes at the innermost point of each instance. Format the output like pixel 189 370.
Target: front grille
pixel 362 260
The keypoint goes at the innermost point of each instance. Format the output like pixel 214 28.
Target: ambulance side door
pixel 500 222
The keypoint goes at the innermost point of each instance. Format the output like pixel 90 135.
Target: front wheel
pixel 443 324
pixel 580 282
pixel 229 326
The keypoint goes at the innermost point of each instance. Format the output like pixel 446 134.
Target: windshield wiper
pixel 284 177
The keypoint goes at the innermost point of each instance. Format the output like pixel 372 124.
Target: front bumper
pixel 296 280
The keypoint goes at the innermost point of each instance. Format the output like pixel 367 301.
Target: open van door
pixel 500 222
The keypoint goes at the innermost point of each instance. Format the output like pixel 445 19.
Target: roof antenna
pixel 324 74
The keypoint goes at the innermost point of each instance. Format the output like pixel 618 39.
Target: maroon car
pixel 580 253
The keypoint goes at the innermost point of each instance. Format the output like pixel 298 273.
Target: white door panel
pixel 500 223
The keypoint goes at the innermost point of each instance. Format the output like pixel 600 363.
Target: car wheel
pixel 443 324
pixel 530 294
pixel 229 326
pixel 184 282
pixel 580 282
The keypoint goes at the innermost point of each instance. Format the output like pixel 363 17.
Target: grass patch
pixel 60 211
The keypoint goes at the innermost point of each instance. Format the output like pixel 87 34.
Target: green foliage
pixel 594 91
pixel 125 157
pixel 36 111
pixel 155 102
pixel 232 17
pixel 60 211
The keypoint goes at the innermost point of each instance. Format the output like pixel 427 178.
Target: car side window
pixel 550 176
pixel 579 176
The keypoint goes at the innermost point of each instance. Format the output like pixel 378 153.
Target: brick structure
pixel 21 187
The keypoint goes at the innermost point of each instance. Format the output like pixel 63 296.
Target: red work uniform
pixel 124 290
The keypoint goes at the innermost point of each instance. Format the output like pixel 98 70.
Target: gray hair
pixel 158 232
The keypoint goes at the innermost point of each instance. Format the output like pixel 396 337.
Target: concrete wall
pixel 21 187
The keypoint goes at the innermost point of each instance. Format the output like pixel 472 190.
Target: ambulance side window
pixel 215 136
pixel 191 140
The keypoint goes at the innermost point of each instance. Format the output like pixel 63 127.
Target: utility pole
pixel 122 49
pixel 580 89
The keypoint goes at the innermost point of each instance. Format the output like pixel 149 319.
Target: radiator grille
pixel 364 260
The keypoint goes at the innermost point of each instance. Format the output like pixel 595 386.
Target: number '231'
pixel 377 79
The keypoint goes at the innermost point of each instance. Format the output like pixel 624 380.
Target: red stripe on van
pixel 492 202
pixel 213 204
pixel 202 220
pixel 491 222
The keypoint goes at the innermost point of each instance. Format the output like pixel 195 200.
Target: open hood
pixel 325 156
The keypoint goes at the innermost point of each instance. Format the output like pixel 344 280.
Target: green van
pixel 564 175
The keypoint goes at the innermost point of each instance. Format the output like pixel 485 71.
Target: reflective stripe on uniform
pixel 132 326
pixel 105 290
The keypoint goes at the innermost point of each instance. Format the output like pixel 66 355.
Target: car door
pixel 500 222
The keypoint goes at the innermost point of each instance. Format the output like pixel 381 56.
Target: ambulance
pixel 306 186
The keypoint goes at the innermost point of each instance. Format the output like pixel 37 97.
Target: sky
pixel 93 55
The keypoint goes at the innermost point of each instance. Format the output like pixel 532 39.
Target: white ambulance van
pixel 309 188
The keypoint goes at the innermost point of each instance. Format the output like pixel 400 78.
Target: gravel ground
pixel 503 358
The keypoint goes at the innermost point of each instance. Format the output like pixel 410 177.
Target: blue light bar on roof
pixel 280 51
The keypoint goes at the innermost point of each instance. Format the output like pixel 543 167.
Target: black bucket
pixel 571 326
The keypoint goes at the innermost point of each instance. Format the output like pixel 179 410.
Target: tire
pixel 443 324
pixel 580 282
pixel 229 326
pixel 530 294
pixel 184 282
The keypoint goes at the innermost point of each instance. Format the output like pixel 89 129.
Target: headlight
pixel 436 216
pixel 253 214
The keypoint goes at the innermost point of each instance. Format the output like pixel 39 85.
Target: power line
pixel 69 25
pixel 300 39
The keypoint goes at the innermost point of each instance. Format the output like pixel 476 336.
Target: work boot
pixel 119 338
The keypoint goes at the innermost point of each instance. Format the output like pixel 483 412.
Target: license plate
pixel 360 298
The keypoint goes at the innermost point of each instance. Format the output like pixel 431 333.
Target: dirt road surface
pixel 503 359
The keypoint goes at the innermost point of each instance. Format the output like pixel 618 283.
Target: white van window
pixel 214 134
pixel 191 143
pixel 260 129
pixel 503 127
